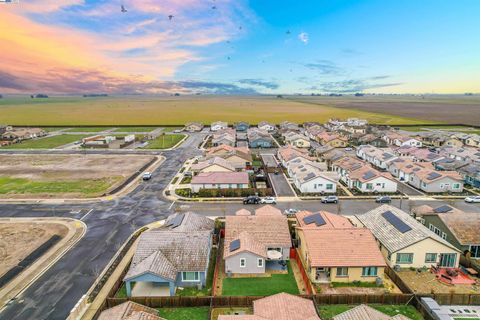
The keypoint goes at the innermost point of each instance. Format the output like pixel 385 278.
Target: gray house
pixel 175 255
pixel 242 126
pixel 256 243
pixel 433 181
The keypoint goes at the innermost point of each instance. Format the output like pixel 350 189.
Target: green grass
pixel 261 286
pixel 329 311
pixel 53 129
pixel 171 129
pixel 10 185
pixel 88 129
pixel 197 313
pixel 165 141
pixel 194 292
pixel 135 129
pixel 216 312
pixel 48 142
pixel 122 292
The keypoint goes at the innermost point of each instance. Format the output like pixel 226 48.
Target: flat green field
pixel 25 186
pixel 88 129
pixel 135 129
pixel 165 141
pixel 47 143
pixel 329 311
pixel 144 110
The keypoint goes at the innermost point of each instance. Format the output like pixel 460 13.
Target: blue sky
pixel 249 46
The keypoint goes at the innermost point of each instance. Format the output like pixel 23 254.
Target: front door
pixel 447 260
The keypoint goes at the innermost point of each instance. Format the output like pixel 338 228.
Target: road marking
pixel 171 205
pixel 86 214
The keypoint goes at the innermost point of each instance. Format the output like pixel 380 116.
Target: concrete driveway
pixel 280 185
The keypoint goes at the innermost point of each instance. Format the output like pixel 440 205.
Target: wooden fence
pixel 397 280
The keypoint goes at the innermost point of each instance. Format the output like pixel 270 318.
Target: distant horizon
pixel 239 47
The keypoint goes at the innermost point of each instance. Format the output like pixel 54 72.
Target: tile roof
pixel 268 210
pixel 221 178
pixel 367 173
pixel 332 221
pixel 290 152
pixel 353 247
pixel 364 312
pixel 164 252
pixel 266 230
pixel 219 161
pixel 430 175
pixel 243 212
pixel 389 236
pixel 130 311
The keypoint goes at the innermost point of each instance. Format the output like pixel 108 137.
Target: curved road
pixel 110 223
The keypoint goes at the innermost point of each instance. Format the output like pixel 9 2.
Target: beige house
pixel 352 256
pixel 297 140
pixel 406 242
pixel 215 164
pixel 193 127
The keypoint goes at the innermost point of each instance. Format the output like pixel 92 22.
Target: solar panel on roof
pixel 314 218
pixel 369 175
pixel 396 222
pixel 234 245
pixel 387 155
pixel 310 175
pixel 443 209
pixel 409 166
pixel 433 175
pixel 356 166
pixel 176 220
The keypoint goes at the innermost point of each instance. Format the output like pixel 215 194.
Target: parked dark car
pixel 252 200
pixel 330 199
pixel 383 199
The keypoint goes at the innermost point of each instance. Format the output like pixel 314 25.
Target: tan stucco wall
pixel 355 274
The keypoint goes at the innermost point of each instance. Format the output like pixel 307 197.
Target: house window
pixel 475 251
pixel 190 276
pixel 342 272
pixel 456 186
pixel 430 257
pixel 404 258
pixel 260 262
pixel 369 271
pixel 369 186
pixel 243 263
pixel 329 186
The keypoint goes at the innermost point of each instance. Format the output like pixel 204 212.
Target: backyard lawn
pixel 165 141
pixel 198 313
pixel 329 311
pixel 261 286
pixel 47 143
pixel 135 129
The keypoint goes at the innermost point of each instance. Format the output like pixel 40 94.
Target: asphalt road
pixel 110 223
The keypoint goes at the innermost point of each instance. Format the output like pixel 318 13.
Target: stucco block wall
pixel 355 274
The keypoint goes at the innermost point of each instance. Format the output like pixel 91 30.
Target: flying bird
pixel 240 28
pixel 214 7
pixel 123 8
pixel 288 32
pixel 170 17
pixel 228 58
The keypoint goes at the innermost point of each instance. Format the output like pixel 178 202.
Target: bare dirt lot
pixel 65 176
pixel 447 109
pixel 18 240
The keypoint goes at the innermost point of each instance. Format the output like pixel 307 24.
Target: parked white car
pixel 147 176
pixel 473 199
pixel 290 211
pixel 269 200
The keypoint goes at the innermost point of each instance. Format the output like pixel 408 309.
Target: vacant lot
pixel 18 240
pixel 47 143
pixel 165 141
pixel 448 109
pixel 72 176
pixel 136 110
pixel 426 282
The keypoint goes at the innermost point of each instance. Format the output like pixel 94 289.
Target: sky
pixel 239 46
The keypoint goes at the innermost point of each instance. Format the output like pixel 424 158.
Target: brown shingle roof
pixel 130 311
pixel 354 247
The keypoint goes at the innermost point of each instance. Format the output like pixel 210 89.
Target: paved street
pixel 110 223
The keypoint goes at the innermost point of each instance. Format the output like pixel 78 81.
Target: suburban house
pixel 223 139
pixel 288 153
pixel 352 256
pixel 266 126
pixel 310 177
pixel 473 141
pixel 470 174
pixel 255 243
pixel 332 139
pixel 402 168
pixel 289 126
pixel 453 141
pixel 242 126
pixel 462 154
pixel 18 134
pixel 193 127
pixel 406 242
pixel 223 150
pixel 174 255
pixel 218 125
pixel 300 163
pixel 364 312
pixel 281 306
pixel 111 142
pixel 313 131
pixel 456 226
pixel 379 158
pixel 433 181
pixel 215 164
pixel 258 138
pixel 240 158
pixel 373 140
pixel 130 311
pixel 398 139
pixel 220 180
pixel 297 140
